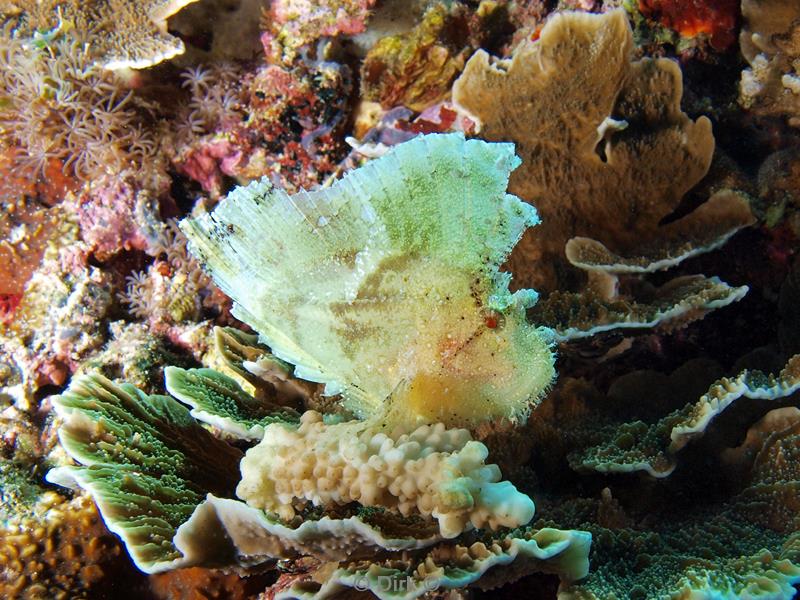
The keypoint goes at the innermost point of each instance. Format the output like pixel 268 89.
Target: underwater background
pixel 400 299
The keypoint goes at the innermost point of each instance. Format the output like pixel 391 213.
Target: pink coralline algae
pixel 106 215
pixel 296 23
pixel 278 121
pixel 207 161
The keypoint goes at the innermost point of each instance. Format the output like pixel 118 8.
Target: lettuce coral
pixel 388 282
pixel 163 483
pixel 652 447
pixel 454 566
pixel 146 461
pixel 606 151
pixel 743 548
pixel 220 401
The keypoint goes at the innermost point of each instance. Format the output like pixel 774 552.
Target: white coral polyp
pixel 431 471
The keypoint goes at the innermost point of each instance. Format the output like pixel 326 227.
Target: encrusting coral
pixel 292 24
pixel 417 68
pixel 38 556
pixel 119 33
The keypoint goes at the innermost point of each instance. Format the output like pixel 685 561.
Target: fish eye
pixel 493 319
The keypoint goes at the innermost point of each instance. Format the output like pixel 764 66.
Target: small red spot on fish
pixel 491 321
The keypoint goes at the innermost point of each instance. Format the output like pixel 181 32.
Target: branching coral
pixel 429 471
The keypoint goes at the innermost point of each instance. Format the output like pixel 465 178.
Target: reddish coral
pixel 717 19
pixel 207 161
pixel 439 118
pixel 205 584
pixel 8 304
pixel 292 24
pixel 294 115
pixel 282 122
pixel 26 222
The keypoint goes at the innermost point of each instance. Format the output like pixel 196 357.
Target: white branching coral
pixel 432 471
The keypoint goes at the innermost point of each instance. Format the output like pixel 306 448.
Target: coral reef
pixel 123 438
pixel 652 446
pixel 369 404
pixel 746 548
pixel 43 347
